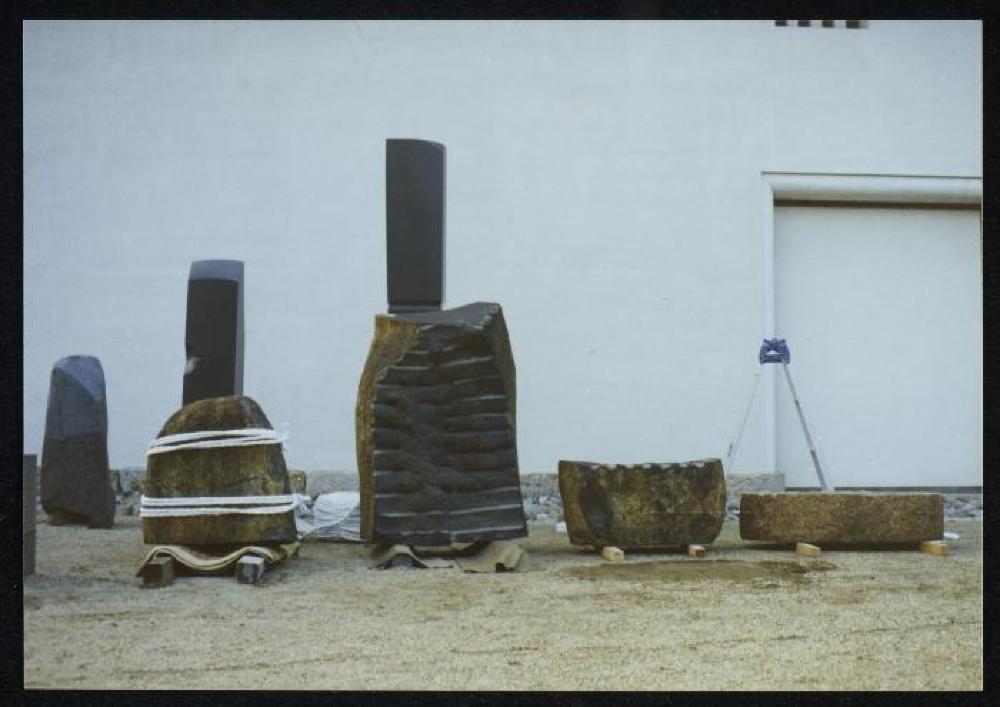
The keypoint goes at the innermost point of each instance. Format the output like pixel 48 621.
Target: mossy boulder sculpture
pixel 643 505
pixel 436 437
pixel 254 470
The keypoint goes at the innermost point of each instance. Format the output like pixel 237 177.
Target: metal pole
pixel 812 448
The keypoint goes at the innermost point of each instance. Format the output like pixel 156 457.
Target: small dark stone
pixel 75 481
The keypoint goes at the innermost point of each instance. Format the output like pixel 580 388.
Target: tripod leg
pixel 734 445
pixel 812 448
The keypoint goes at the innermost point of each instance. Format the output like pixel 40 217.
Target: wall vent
pixel 841 24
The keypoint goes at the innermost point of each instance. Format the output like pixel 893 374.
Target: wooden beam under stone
pixel 158 572
pixel 250 569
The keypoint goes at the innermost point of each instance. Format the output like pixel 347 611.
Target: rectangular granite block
pixel 864 518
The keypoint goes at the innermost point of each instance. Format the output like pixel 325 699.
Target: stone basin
pixel 643 505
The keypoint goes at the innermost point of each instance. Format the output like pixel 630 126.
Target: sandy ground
pixel 742 618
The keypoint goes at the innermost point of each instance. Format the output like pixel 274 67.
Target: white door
pixel 882 311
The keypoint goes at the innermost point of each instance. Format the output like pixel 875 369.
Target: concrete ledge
pixel 842 518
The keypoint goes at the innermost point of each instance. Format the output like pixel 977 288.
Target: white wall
pixel 603 186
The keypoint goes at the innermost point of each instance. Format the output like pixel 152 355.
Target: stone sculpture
pixel 415 224
pixel 75 482
pixel 251 470
pixel 437 450
pixel 436 430
pixel 842 518
pixel 643 505
pixel 213 339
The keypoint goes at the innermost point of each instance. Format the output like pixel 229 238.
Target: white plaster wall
pixel 603 186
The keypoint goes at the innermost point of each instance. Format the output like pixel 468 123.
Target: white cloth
pixel 335 516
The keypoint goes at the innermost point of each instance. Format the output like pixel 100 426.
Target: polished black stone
pixel 75 483
pixel 415 224
pixel 213 338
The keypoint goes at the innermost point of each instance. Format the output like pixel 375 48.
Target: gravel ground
pixel 743 618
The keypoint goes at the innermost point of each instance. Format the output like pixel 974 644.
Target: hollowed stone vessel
pixel 643 505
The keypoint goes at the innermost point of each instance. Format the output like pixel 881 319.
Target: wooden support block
pixel 250 569
pixel 807 550
pixel 612 554
pixel 696 551
pixel 935 547
pixel 158 572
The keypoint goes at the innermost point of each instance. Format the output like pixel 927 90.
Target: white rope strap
pixel 182 506
pixel 211 439
pixel 153 507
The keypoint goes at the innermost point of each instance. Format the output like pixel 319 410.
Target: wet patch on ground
pixel 697 571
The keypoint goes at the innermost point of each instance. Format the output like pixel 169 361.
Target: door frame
pixel 779 188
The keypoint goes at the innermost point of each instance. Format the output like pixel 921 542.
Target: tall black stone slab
pixel 213 338
pixel 415 223
pixel 29 491
pixel 75 484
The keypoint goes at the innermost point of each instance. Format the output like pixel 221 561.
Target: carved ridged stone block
pixel 643 505
pixel 256 470
pixel 842 518
pixel 436 439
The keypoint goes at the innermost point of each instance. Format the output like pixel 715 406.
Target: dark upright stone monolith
pixel 214 336
pixel 29 491
pixel 76 485
pixel 436 430
pixel 415 223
